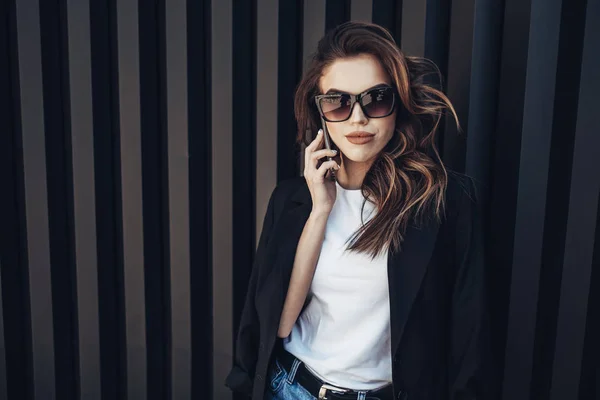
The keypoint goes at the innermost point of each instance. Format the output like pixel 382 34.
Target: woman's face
pixel 355 75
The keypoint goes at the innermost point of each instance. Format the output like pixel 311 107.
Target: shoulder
pixel 286 190
pixel 287 187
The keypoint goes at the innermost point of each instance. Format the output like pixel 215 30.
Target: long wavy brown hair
pixel 407 180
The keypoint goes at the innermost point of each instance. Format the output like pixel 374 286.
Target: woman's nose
pixel 357 115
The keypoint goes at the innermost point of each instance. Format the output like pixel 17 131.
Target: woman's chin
pixel 359 156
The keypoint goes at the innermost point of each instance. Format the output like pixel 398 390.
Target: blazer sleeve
pixel 469 332
pixel 241 376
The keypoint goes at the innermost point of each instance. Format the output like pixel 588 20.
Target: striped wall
pixel 141 140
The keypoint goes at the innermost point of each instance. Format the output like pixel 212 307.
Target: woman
pixel 368 281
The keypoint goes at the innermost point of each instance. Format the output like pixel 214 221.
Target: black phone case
pixel 331 175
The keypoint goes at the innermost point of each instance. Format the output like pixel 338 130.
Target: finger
pixel 316 155
pixel 327 165
pixel 316 141
pixel 314 145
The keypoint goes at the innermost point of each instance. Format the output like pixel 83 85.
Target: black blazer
pixel 439 320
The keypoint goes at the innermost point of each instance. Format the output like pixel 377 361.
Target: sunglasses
pixel 377 102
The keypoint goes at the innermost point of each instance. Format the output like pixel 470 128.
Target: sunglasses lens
pixel 378 102
pixel 336 108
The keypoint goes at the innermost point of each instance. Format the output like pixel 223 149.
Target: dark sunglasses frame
pixel 355 98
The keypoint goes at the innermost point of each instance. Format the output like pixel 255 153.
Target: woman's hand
pixel 322 190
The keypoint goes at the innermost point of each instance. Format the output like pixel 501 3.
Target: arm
pixel 305 262
pixel 323 193
pixel 469 341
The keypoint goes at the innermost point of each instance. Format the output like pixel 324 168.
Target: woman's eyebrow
pixel 335 91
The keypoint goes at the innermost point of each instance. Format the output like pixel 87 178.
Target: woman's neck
pixel 351 174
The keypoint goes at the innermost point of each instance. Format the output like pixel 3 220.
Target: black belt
pixel 322 390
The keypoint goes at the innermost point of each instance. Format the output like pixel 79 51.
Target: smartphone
pixel 331 175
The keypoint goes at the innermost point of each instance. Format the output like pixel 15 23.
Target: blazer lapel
pixel 406 270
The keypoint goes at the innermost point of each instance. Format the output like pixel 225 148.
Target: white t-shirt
pixel 343 334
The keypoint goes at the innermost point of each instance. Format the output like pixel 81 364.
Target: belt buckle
pixel 325 387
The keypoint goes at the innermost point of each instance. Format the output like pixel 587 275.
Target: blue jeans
pixel 282 385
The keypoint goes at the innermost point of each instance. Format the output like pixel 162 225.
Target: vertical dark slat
pixel 107 174
pixel 222 186
pixel 437 33
pixel 131 193
pixel 60 192
pixel 200 190
pixel 458 87
pixel 82 154
pixel 437 21
pixel 36 198
pixel 487 32
pixel 555 226
pixel 266 97
pixel 336 13
pixel 531 202
pixel 589 385
pixel 5 180
pixel 154 194
pixel 581 225
pixel 486 38
pixel 361 10
pixel 243 151
pixel 3 389
pixel 179 229
pixel 512 72
pixel 388 13
pixel 413 27
pixel 288 75
pixel 17 332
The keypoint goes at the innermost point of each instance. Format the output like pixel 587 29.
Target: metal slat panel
pixel 36 198
pixel 82 153
pixel 266 112
pixel 222 189
pixel 412 35
pixel 131 191
pixel 361 10
pixel 179 230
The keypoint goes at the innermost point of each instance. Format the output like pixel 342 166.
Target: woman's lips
pixel 360 139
